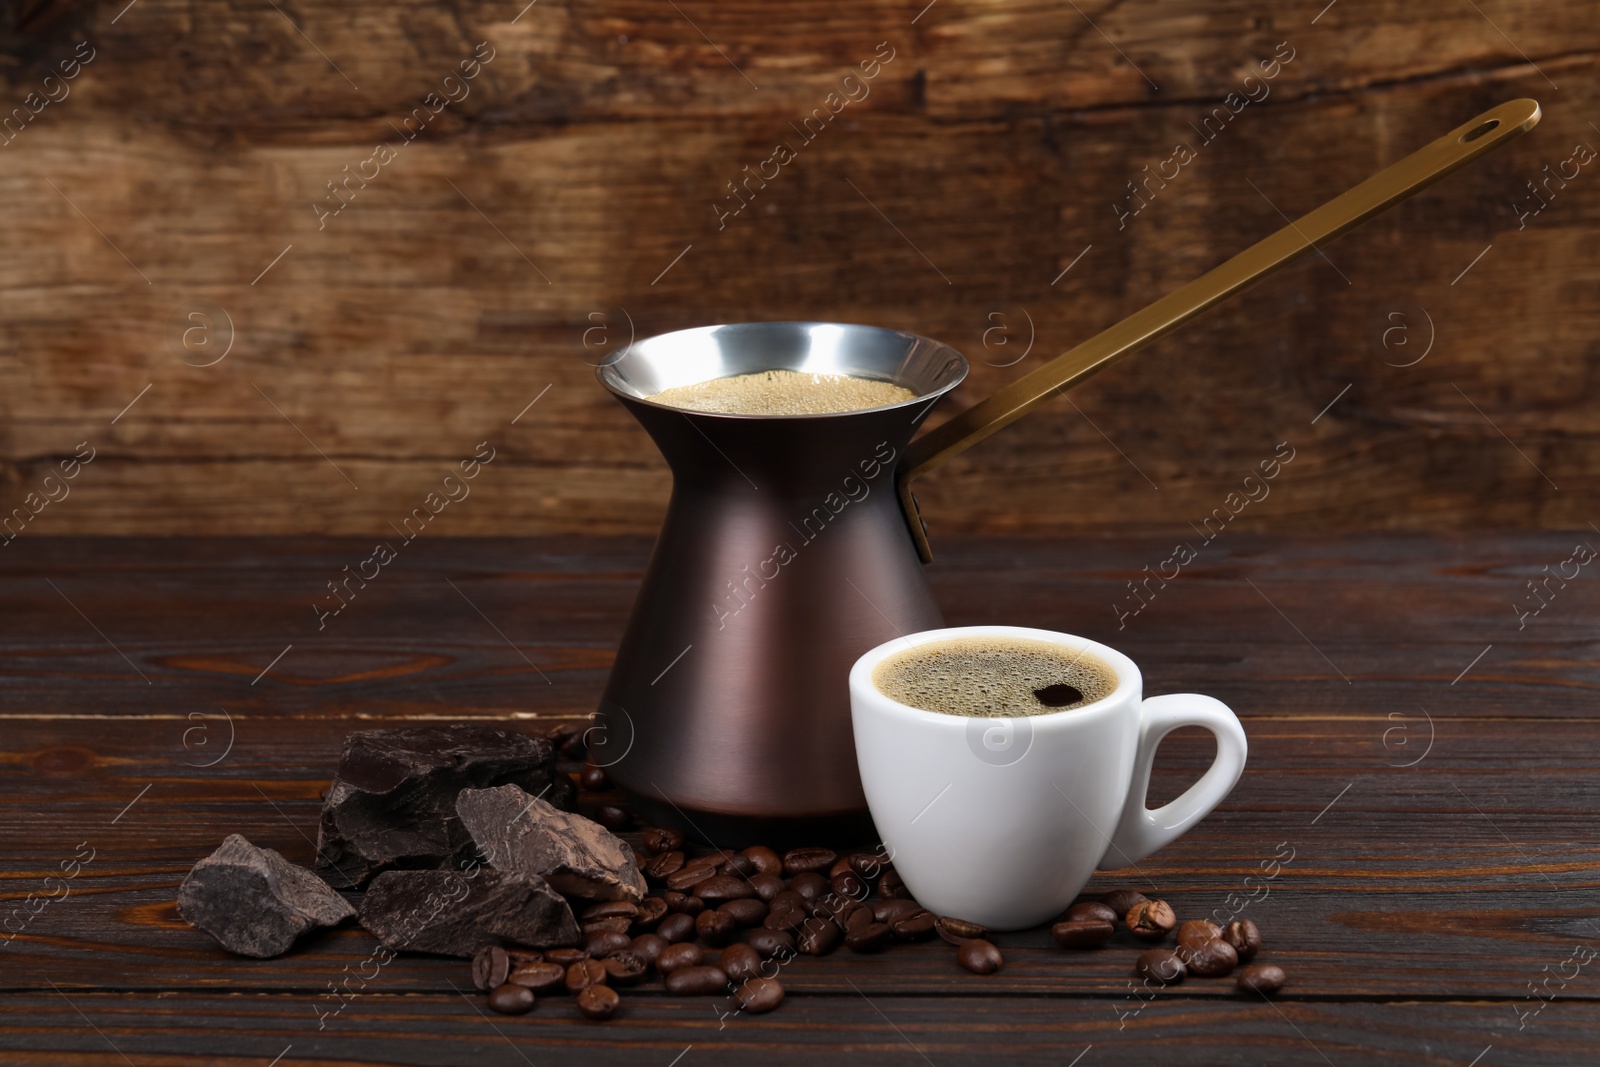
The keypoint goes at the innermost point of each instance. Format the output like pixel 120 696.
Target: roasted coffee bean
pixel 892 887
pixel 767 886
pixel 509 999
pixel 1151 919
pixel 650 911
pixel 1082 933
pixel 710 860
pixel 573 742
pixel 697 982
pixel 740 962
pixel 763 859
pixel 613 817
pixel 561 733
pixel 692 906
pixel 585 973
pixel 868 937
pixel 718 858
pixel 680 884
pixel 541 977
pixel 840 866
pixel 1261 978
pixel 1159 965
pixel 1091 909
pixel 605 942
pixel 618 924
pixel 918 926
pixel 979 956
pixel 626 967
pixel 745 913
pixel 787 898
pixel 676 928
pixel 608 909
pixel 848 884
pixel 759 995
pixel 593 778
pixel 560 736
pixel 868 865
pixel 809 884
pixel 739 864
pixel 522 956
pixel 721 887
pixel 1197 932
pixel 715 928
pixel 565 956
pixel 854 916
pixel 663 865
pixel 800 860
pixel 649 947
pixel 788 917
pixel 771 942
pixel 887 911
pixel 490 967
pixel 1244 937
pixel 659 839
pixel 831 905
pixel 1211 959
pixel 956 930
pixel 818 937
pixel 676 957
pixel 599 1002
pixel 686 878
pixel 1122 901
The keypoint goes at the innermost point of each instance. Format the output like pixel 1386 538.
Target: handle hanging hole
pixel 1478 131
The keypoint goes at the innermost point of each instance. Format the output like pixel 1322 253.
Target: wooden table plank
pixel 1463 875
pixel 1269 625
pixel 442 1030
pixel 1441 828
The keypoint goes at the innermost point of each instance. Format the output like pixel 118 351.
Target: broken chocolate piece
pixel 392 803
pixel 456 913
pixel 521 833
pixel 255 902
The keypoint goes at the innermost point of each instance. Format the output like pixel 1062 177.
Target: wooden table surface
pixel 1425 757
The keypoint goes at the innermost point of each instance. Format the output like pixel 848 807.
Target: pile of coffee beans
pixel 1203 948
pixel 725 924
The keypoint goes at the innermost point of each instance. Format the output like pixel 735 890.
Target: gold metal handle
pixel 1383 190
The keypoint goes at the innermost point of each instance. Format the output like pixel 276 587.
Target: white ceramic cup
pixel 1001 821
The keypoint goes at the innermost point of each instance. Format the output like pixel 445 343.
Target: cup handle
pixel 1142 831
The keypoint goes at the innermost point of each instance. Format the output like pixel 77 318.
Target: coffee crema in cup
pixel 784 392
pixel 993 677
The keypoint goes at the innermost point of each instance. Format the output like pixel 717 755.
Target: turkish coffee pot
pixel 792 544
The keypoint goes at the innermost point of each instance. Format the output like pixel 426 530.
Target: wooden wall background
pixel 458 284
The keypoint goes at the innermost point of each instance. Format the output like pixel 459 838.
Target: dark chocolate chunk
pixel 523 834
pixel 255 902
pixel 456 913
pixel 392 803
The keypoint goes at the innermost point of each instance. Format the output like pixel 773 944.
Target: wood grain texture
pixel 1362 906
pixel 1308 625
pixel 1047 1032
pixel 996 145
pixel 1437 809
